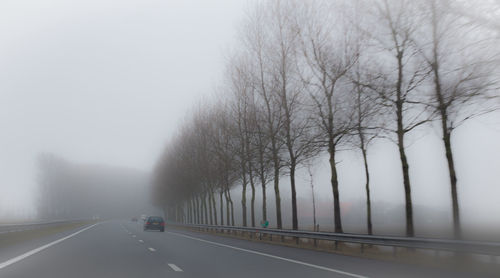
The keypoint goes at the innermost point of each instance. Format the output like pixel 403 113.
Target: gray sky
pixel 105 81
pixel 102 81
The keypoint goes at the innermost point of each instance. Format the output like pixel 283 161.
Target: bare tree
pixel 288 92
pixel 239 86
pixel 462 60
pixel 311 183
pixel 263 164
pixel 326 51
pixel 367 125
pixel 257 38
pixel 327 75
pixel 402 73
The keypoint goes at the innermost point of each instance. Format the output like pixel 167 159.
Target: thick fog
pixel 108 83
pixel 102 82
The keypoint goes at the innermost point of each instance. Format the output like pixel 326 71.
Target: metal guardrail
pixel 458 246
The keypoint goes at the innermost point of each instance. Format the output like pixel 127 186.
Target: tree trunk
pixel 244 197
pixel 231 206
pixel 277 195
pixel 406 181
pixel 192 211
pixel 252 202
pixel 410 232
pixel 264 198
pixel 214 206
pixel 176 214
pixel 295 220
pixel 183 209
pixel 198 213
pixel 453 180
pixel 227 208
pixel 262 175
pixel 311 178
pixel 446 129
pixel 205 208
pixel 202 210
pixel 221 209
pixel 209 196
pixel 189 211
pixel 335 189
pixel 368 199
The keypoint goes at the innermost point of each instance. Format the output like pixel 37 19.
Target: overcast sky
pixel 102 81
pixel 108 82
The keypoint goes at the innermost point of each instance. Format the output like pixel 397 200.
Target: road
pixel 122 249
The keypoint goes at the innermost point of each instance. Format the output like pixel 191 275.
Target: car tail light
pixel 147 223
pixel 163 223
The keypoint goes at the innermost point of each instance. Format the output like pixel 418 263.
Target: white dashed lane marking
pixel 175 268
pixel 141 241
pixel 151 249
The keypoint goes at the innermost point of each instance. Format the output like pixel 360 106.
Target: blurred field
pixel 12 238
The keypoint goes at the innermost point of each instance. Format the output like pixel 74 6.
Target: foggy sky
pixel 102 81
pixel 109 82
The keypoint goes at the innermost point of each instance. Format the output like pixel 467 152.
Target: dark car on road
pixel 154 223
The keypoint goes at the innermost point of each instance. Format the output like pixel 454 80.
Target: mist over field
pixel 100 82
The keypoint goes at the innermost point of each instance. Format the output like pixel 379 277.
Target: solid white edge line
pixel 151 249
pixel 272 256
pixel 175 268
pixel 36 250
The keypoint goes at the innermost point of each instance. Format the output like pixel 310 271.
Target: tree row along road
pixel 309 81
pixel 122 249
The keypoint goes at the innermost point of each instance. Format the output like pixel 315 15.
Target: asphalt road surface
pixel 121 249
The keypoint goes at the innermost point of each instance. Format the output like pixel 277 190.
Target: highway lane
pixel 122 249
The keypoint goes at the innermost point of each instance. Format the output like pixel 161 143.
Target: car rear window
pixel 155 219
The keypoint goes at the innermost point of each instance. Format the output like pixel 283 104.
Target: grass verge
pixel 13 238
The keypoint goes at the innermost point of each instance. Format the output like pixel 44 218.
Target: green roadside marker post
pixel 264 223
